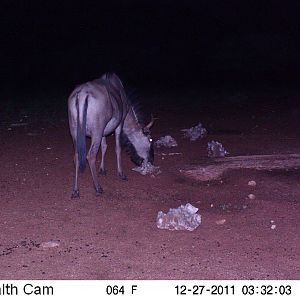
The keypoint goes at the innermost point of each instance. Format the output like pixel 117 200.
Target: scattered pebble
pixel 50 244
pixel 252 183
pixel 273 226
pixel 221 222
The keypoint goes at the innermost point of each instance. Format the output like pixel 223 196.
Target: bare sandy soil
pixel 115 236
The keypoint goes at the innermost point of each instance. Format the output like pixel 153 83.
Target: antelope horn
pixel 150 124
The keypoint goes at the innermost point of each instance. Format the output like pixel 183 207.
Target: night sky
pixel 165 43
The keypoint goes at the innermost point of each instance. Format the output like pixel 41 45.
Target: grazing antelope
pixel 97 109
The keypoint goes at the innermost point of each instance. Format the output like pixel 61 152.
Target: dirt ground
pixel 115 236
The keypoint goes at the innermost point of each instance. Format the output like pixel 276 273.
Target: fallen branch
pixel 218 166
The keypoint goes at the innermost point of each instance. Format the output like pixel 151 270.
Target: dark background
pixel 166 44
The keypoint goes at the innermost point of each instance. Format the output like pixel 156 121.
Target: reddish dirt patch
pixel 115 236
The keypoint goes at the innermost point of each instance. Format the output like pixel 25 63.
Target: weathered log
pixel 213 169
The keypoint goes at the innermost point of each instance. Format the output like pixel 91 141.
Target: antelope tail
pixel 81 133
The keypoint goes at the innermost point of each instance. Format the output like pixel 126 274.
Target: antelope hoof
pixel 99 191
pixel 102 172
pixel 122 176
pixel 75 194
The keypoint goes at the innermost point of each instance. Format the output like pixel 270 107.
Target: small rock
pixel 252 183
pixel 221 222
pixel 184 217
pixel 50 244
pixel 273 226
pixel 251 196
pixel 195 132
pixel 216 149
pixel 166 141
pixel 147 168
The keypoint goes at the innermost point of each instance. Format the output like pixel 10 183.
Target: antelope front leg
pixel 118 153
pixel 102 170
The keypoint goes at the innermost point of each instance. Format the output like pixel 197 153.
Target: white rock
pixel 181 218
pixel 147 168
pixel 252 183
pixel 166 141
pixel 216 149
pixel 50 244
pixel 221 222
pixel 194 133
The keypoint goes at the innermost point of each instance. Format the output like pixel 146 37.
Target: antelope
pixel 97 109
